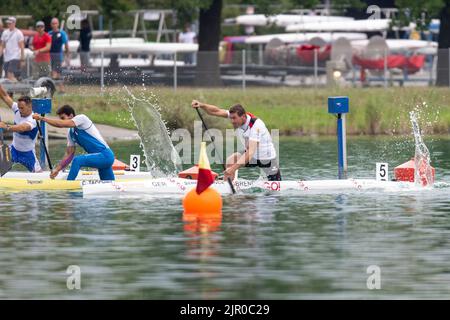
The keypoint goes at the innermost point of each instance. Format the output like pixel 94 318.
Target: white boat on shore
pixel 328 37
pixel 283 20
pixel 134 46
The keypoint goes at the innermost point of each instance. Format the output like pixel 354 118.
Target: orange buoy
pixel 405 172
pixel 207 202
pixel 203 223
pixel 192 173
pixel 119 165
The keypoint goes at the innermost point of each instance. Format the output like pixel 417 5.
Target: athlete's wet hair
pixel 65 109
pixel 237 108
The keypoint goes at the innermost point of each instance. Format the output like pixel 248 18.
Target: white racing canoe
pixel 178 186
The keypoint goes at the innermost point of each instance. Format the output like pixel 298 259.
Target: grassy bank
pixel 294 111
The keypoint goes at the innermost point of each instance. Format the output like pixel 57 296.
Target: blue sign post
pixel 339 106
pixel 42 106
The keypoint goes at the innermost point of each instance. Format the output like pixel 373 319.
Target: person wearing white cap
pixel 41 47
pixel 12 48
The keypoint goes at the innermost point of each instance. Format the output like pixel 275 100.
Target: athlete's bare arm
pixel 5 97
pixel 59 123
pixel 210 109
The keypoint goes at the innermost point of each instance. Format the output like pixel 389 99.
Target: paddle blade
pixel 5 159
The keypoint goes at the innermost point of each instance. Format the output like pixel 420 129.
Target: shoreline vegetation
pixel 294 111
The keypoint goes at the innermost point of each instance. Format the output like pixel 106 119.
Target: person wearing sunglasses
pixel 41 48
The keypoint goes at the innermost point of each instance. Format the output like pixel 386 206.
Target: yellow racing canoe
pixel 39 184
pixel 41 181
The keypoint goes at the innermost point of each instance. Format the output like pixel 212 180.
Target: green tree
pixel 112 9
pixel 421 13
pixel 209 15
pixel 47 8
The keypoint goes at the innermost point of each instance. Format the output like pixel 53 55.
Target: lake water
pixel 266 246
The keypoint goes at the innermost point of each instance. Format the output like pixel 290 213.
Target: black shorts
pixel 270 168
pixel 56 62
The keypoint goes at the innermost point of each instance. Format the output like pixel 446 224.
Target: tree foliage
pixel 418 11
pixel 112 9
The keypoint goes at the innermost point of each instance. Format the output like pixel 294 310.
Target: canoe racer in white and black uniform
pixel 259 149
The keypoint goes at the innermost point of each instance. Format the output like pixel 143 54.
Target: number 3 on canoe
pixel 135 162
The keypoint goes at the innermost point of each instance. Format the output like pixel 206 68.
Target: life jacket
pixel 252 119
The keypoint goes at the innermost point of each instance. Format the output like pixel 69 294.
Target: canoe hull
pixel 39 184
pixel 41 180
pixel 177 186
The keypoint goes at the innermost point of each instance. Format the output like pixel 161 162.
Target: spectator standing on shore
pixel 188 36
pixel 28 37
pixel 1 56
pixel 85 43
pixel 60 42
pixel 12 49
pixel 41 44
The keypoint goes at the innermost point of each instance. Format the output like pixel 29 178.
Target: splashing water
pixel 161 158
pixel 422 169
